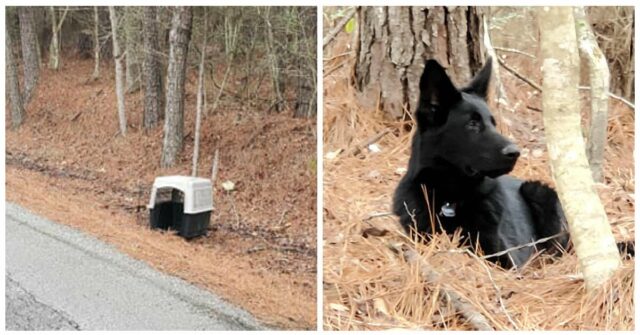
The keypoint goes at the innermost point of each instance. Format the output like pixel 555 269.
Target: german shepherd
pixel 462 161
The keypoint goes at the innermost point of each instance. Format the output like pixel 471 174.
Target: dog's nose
pixel 511 151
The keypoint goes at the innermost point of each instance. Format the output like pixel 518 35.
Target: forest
pixel 102 100
pixel 375 276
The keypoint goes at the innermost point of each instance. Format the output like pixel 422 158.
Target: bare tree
pixel 393 43
pixel 591 234
pixel 54 46
pixel 30 51
pixel 153 95
pixel 117 57
pixel 13 85
pixel 96 44
pixel 174 110
pixel 273 63
pixel 305 38
pixel 132 41
pixel 200 98
pixel 599 81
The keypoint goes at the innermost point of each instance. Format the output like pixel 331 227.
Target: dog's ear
pixel 480 83
pixel 437 95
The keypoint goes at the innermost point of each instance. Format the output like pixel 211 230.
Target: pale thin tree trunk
pixel 196 145
pixel 231 39
pixel 117 57
pixel 54 46
pixel 599 81
pixel 30 51
pixel 132 34
pixel 591 234
pixel 17 109
pixel 153 97
pixel 176 73
pixel 96 44
pixel 273 62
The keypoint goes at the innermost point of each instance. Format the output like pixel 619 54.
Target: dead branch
pixel 377 215
pixel 371 140
pixel 530 244
pixel 465 308
pixel 519 76
pixel 76 115
pixel 334 32
pixel 515 51
pixel 614 96
pixel 503 307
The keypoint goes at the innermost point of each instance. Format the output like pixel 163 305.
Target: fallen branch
pixel 371 140
pixel 377 215
pixel 466 309
pixel 503 307
pixel 76 116
pixel 530 244
pixel 334 32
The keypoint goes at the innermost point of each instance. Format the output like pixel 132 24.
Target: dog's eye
pixel 473 125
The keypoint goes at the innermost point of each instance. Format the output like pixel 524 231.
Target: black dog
pixel 462 160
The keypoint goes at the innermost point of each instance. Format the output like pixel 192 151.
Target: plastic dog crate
pixel 182 204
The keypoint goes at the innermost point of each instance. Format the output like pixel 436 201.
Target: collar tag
pixel 448 210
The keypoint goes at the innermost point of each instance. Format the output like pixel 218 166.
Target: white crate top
pixel 198 195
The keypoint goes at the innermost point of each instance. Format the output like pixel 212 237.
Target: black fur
pixel 462 160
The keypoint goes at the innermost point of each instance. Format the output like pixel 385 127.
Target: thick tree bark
pixel 30 59
pixel 54 46
pixel 132 41
pixel 200 98
pixel 96 44
pixel 599 82
pixel 153 94
pixel 174 110
pixel 590 230
pixel 394 42
pixel 117 57
pixel 13 85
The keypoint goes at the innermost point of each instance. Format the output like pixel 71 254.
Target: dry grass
pixel 369 284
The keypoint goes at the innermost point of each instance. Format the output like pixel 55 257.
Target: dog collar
pixel 448 210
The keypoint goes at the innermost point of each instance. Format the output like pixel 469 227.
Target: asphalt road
pixel 60 278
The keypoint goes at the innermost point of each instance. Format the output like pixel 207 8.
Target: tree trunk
pixel 174 110
pixel 196 145
pixel 132 41
pixel 54 46
pixel 29 43
pixel 306 103
pixel 590 230
pixel 273 64
pixel 117 57
pixel 599 81
pixel 153 95
pixel 394 42
pixel 96 44
pixel 13 84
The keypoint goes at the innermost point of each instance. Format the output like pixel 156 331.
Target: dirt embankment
pixel 68 163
